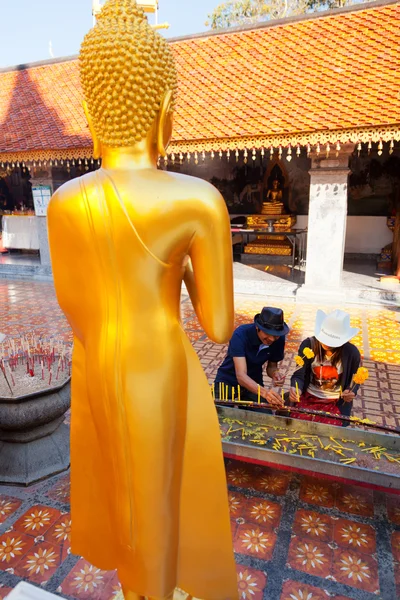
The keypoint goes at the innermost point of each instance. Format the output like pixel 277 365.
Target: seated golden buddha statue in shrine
pixel 273 204
pixel 273 219
pixel 148 486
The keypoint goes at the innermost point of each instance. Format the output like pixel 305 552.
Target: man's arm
pixel 247 382
pixel 271 368
pixel 273 372
pixel 277 355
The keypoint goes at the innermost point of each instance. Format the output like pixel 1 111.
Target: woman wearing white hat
pixel 323 382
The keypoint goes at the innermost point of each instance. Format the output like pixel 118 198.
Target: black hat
pixel 271 321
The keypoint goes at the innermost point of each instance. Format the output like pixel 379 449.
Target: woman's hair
pixel 126 68
pixel 319 352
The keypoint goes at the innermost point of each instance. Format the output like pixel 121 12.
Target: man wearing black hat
pixel 250 348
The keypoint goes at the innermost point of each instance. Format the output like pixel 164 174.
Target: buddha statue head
pixel 128 78
pixel 275 185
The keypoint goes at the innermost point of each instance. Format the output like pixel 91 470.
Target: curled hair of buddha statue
pixel 126 69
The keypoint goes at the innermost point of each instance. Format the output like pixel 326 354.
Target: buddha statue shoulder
pixel 148 485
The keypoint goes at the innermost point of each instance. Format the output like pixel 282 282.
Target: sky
pixel 28 26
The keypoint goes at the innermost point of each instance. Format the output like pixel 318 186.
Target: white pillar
pixel 326 228
pixel 44 179
pixel 43 242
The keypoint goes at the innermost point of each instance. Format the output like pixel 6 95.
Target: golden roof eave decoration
pixel 231 96
pixel 46 155
pixel 289 140
pixel 284 141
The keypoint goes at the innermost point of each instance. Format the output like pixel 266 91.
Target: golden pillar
pixel 148 487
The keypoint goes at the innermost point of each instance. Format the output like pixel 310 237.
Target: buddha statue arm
pixel 66 249
pixel 209 275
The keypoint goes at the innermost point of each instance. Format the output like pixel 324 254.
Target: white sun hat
pixel 334 329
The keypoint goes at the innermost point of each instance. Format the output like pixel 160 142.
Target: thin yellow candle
pixel 340 392
pixel 283 395
pixel 213 391
pixel 220 391
pixel 223 391
pixel 259 395
pixel 227 392
pixel 233 394
pixel 297 392
pixel 239 393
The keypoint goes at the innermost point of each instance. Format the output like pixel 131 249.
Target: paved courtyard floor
pixel 295 537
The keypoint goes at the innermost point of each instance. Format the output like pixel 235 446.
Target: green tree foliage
pixel 243 12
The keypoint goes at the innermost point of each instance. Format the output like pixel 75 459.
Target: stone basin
pixel 34 441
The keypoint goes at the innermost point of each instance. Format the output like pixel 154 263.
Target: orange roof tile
pixel 335 72
pixel 323 78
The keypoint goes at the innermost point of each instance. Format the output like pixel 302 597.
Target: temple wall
pixel 364 235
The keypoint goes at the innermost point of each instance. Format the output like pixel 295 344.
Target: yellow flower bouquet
pixel 360 377
pixel 307 353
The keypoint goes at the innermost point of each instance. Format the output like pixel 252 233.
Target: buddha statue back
pixel 146 452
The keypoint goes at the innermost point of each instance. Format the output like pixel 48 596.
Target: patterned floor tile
pixel 251 583
pixel 393 508
pixel 61 491
pixel 396 545
pixel 261 512
pixel 356 569
pixel 355 500
pixel 86 581
pixel 22 302
pixel 259 506
pixel 255 541
pixel 237 475
pixel 8 506
pixel 37 520
pixel 271 481
pixel 237 505
pixel 40 563
pixel 60 532
pixel 317 492
pixel 354 535
pixel 310 556
pixel 313 525
pixel 112 589
pixel 294 590
pixel 13 546
pixel 234 525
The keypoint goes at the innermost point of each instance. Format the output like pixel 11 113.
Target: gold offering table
pixel 272 230
pixel 296 240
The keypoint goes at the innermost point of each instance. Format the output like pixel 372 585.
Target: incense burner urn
pixel 34 441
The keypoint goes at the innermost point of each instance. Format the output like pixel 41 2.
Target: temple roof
pixel 329 77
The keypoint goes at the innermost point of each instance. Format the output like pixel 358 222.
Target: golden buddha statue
pixel 148 487
pixel 273 204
